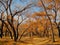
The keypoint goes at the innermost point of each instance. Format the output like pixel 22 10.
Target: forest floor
pixel 30 41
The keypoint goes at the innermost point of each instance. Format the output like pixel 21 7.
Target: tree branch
pixel 22 9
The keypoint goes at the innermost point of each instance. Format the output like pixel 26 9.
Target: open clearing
pixel 29 41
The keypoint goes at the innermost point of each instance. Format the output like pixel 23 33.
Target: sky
pixel 20 4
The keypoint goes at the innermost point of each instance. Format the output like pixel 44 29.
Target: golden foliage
pixel 43 13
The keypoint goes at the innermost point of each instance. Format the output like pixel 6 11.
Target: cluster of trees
pixel 37 23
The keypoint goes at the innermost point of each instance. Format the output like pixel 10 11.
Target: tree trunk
pixel 2 30
pixel 1 33
pixel 58 30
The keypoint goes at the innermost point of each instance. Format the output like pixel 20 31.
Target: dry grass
pixel 29 41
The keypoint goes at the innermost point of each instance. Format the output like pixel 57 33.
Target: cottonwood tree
pixel 51 7
pixel 8 10
pixel 42 21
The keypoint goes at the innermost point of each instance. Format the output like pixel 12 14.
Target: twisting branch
pixel 19 23
pixel 8 20
pixel 20 11
pixel 10 7
pixel 55 10
pixel 24 32
pixel 50 21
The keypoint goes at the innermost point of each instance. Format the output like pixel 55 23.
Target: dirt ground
pixel 30 41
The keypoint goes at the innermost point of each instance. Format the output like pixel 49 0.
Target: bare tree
pixel 7 6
